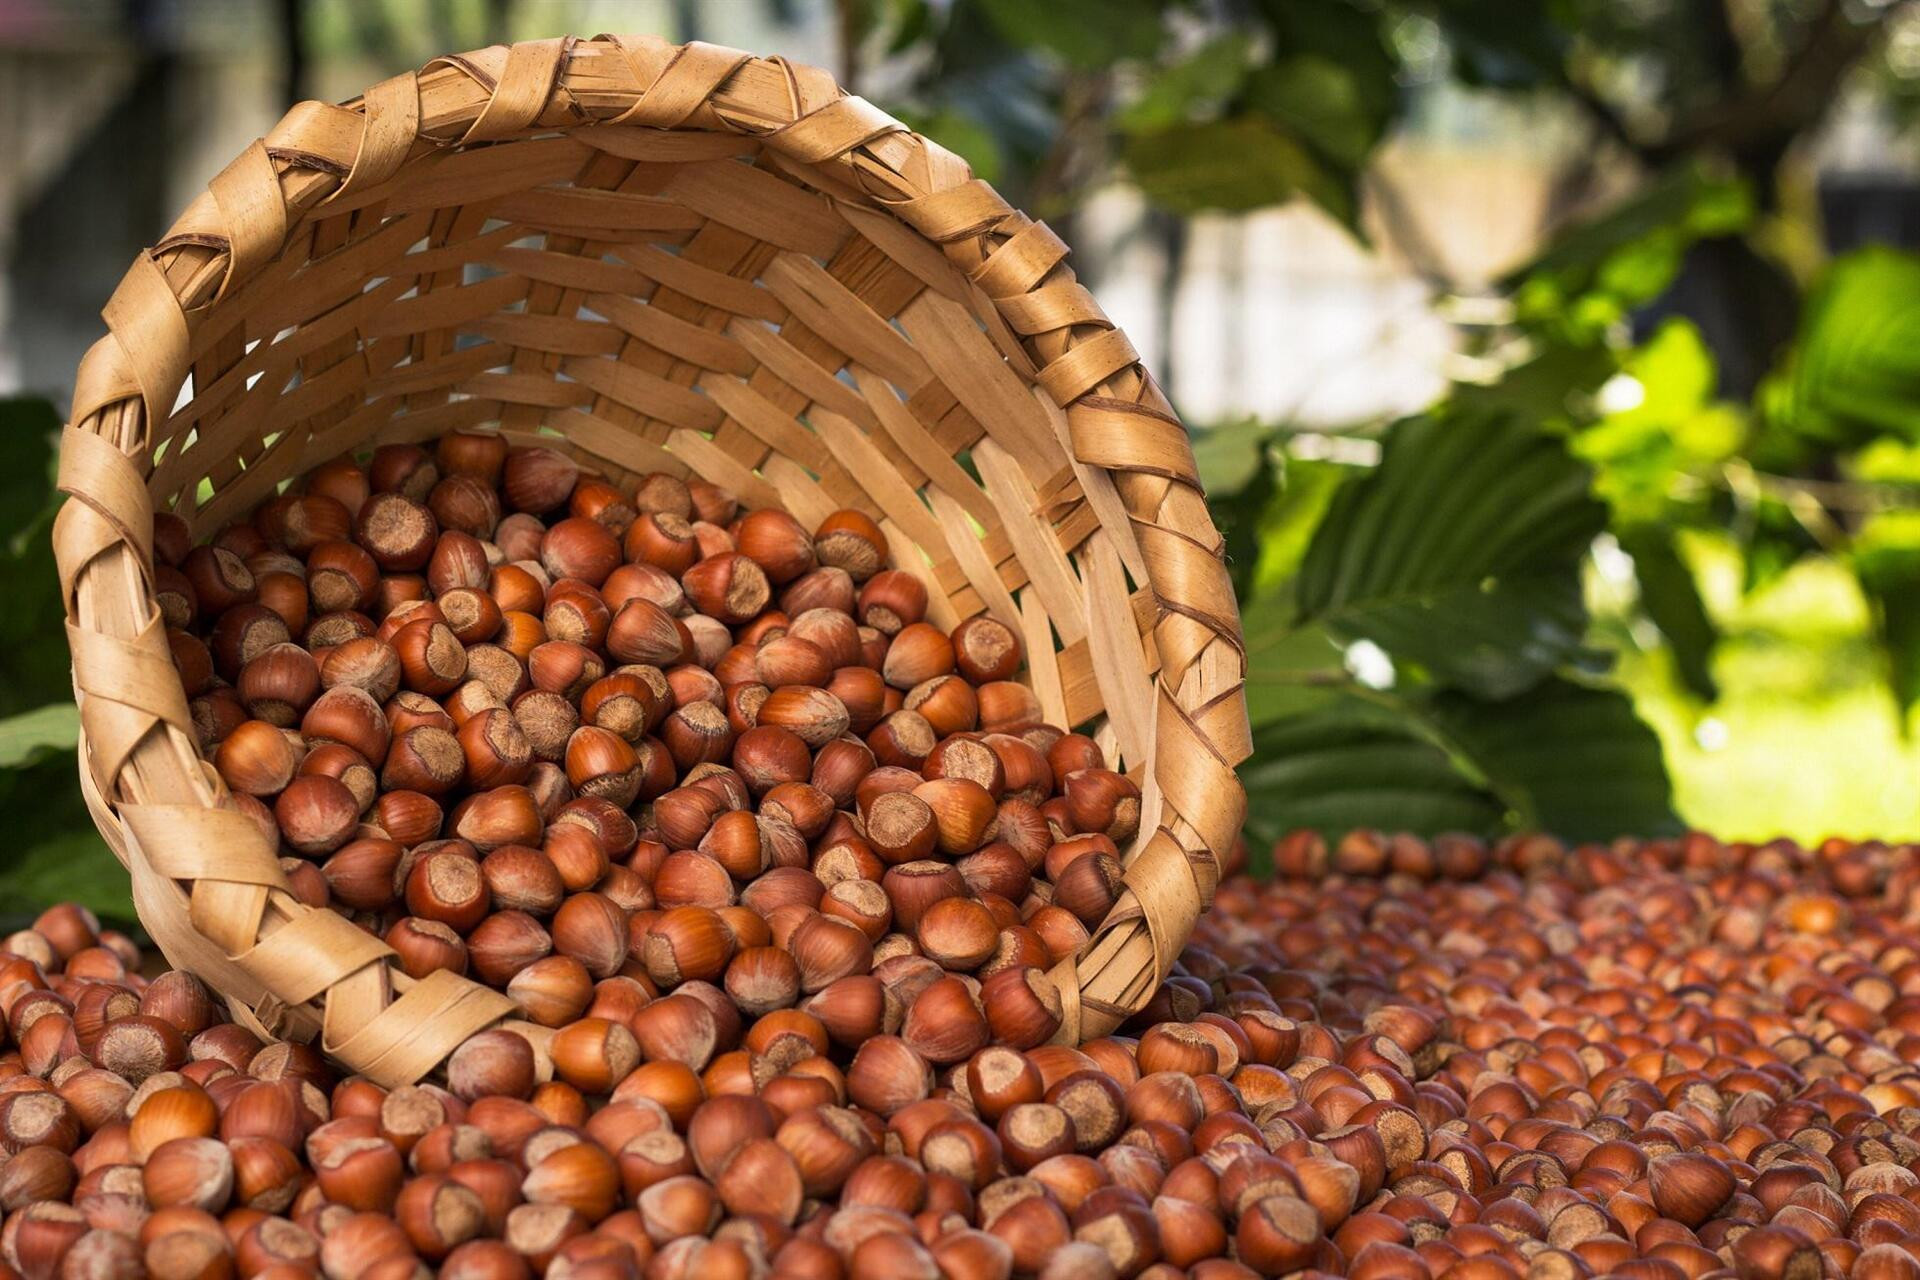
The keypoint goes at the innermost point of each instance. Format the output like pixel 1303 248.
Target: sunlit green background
pixel 1805 738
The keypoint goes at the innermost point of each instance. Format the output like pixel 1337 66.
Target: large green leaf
pixel 1330 81
pixel 29 736
pixel 1321 101
pixel 1671 598
pixel 33 650
pixel 1349 764
pixel 1234 164
pixel 1855 369
pixel 28 427
pixel 55 853
pixel 1460 553
pixel 1265 504
pixel 1561 757
pixel 1688 198
pixel 1294 669
pixel 1228 455
pixel 1199 81
pixel 1546 389
pixel 1290 520
pixel 1089 34
pixel 1566 758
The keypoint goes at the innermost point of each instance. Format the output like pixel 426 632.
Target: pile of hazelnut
pixel 1669 1060
pixel 639 750
pixel 783 866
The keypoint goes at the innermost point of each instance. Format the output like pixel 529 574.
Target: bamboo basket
pixel 659 258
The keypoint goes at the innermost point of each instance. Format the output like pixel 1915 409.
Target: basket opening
pixel 785 365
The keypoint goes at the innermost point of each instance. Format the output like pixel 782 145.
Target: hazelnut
pixel 685 943
pixel 538 480
pixel 1689 1186
pixel 195 1172
pixel 578 547
pixel 945 1023
pixel 892 600
pixel 850 541
pixel 730 587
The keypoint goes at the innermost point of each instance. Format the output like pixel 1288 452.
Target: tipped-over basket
pixel 658 258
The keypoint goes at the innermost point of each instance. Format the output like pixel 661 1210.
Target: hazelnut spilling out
pixel 1401 1058
pixel 776 865
pixel 527 719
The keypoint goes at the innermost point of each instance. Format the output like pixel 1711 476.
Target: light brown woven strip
pixel 830 325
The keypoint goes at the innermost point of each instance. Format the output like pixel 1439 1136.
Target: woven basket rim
pixel 148 788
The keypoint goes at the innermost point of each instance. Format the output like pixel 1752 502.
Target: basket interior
pixel 686 302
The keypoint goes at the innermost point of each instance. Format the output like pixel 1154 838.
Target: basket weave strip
pixel 657 258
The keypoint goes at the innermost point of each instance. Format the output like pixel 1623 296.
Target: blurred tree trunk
pixel 293 52
pixel 109 199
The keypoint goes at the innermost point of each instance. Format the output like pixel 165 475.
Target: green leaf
pixel 1774 542
pixel 1239 517
pixel 1595 273
pixel 56 854
pixel 1502 45
pixel 1461 552
pixel 1089 34
pixel 27 737
pixel 1349 765
pixel 1896 602
pixel 1288 524
pixel 1886 461
pixel 1323 102
pixel 28 427
pixel 1561 757
pixel 1229 454
pixel 1339 31
pixel 1886 559
pixel 1299 668
pixel 1570 759
pixel 1855 369
pixel 1688 197
pixel 74 865
pixel 1671 598
pixel 34 664
pixel 1202 80
pixel 1234 164
pixel 910 20
pixel 1265 503
pixel 1657 456
pixel 1545 389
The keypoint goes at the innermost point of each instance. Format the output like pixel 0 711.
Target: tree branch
pixel 1851 497
pixel 1404 230
pixel 1761 120
pixel 1082 127
pixel 848 23
pixel 1600 110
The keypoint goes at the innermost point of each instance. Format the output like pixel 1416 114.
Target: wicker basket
pixel 661 258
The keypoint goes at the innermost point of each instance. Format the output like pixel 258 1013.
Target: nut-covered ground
pixel 1660 1060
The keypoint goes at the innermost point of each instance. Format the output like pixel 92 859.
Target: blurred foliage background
pixel 1555 367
